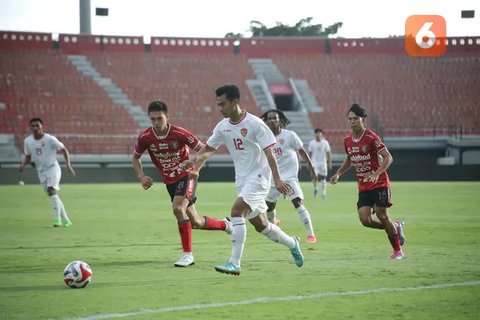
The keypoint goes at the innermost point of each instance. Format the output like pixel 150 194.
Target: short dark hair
pixel 284 122
pixel 158 105
pixel 359 111
pixel 230 91
pixel 36 120
pixel 318 130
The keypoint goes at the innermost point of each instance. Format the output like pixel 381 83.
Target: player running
pixel 249 142
pixel 369 156
pixel 321 155
pixel 42 148
pixel 167 146
pixel 285 150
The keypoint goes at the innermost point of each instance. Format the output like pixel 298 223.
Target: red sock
pixel 214 224
pixel 185 230
pixel 395 242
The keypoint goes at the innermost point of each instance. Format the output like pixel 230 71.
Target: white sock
pixel 272 215
pixel 304 216
pixel 276 234
pixel 239 234
pixel 324 187
pixel 63 213
pixel 56 205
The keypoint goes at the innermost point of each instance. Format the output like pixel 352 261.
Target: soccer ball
pixel 77 274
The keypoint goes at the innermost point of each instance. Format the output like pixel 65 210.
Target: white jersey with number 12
pixel 246 141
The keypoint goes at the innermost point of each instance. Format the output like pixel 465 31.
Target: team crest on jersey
pixel 174 144
pixel 243 132
pixel 163 146
pixel 281 141
pixel 364 149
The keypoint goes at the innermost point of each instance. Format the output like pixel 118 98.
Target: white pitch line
pixel 312 296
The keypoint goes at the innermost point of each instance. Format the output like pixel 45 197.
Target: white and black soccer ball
pixel 77 274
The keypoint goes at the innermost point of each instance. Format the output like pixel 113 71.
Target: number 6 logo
pixel 425 36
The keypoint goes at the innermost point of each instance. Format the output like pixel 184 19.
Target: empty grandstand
pixel 92 91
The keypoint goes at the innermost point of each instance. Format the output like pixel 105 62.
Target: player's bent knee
pixel 179 210
pixel 366 222
pixel 197 223
pixel 383 218
pixel 259 228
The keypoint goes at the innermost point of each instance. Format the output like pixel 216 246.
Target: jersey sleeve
pixel 264 135
pixel 345 141
pixel 310 146
pixel 140 145
pixel 378 143
pixel 26 150
pixel 216 139
pixel 56 144
pixel 297 142
pixel 190 139
pixel 327 148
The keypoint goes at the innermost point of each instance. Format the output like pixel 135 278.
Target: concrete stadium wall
pixel 397 172
pixel 411 163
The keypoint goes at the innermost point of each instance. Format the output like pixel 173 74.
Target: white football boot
pixel 185 260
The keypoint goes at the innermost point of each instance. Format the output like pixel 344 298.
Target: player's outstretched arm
pixel 25 161
pixel 347 163
pixel 198 161
pixel 66 156
pixel 145 181
pixel 308 160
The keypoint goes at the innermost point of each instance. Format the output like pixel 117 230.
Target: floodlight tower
pixel 85 21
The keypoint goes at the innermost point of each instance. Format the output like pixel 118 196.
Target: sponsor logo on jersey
pixel 163 146
pixel 170 156
pixel 359 157
pixel 243 132
pixel 153 148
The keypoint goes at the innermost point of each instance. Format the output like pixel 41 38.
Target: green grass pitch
pixel 130 239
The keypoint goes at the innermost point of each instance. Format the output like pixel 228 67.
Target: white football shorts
pixel 321 170
pixel 253 191
pixel 273 195
pixel 50 177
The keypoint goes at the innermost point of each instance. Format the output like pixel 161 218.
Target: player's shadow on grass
pixel 39 287
pixel 130 263
pixel 90 245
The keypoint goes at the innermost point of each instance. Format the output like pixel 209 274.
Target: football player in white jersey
pixel 287 149
pixel 319 150
pixel 41 148
pixel 249 142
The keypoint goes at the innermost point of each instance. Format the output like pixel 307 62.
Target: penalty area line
pixel 312 296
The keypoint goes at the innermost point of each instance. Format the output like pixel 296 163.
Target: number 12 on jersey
pixel 238 143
